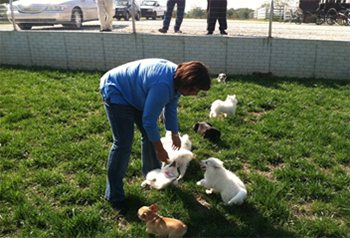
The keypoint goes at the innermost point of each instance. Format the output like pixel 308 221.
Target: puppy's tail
pixel 238 199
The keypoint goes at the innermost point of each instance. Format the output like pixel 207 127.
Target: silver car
pixel 69 13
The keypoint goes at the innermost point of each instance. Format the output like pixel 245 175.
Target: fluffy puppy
pixel 227 107
pixel 182 157
pixel 159 225
pixel 185 141
pixel 222 78
pixel 217 178
pixel 209 132
pixel 161 178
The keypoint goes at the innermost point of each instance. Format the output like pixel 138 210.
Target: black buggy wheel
pixel 331 16
pixel 320 17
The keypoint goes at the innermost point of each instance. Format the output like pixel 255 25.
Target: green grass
pixel 289 142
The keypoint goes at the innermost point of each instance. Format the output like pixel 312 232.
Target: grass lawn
pixel 289 143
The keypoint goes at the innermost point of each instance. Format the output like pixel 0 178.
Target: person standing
pixel 216 11
pixel 105 14
pixel 180 4
pixel 137 93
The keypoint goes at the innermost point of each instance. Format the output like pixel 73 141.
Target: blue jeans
pixel 179 13
pixel 122 119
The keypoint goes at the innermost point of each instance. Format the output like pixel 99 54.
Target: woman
pixel 136 93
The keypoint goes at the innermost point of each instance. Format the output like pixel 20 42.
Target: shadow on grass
pixel 229 221
pixel 206 216
pixel 275 82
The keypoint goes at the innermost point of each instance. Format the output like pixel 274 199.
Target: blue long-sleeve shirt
pixel 147 85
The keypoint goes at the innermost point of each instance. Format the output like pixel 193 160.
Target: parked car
pixel 152 9
pixel 124 9
pixel 70 13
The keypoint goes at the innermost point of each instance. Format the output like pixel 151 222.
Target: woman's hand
pixel 176 142
pixel 161 153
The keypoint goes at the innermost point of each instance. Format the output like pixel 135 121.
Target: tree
pixel 197 12
pixel 240 13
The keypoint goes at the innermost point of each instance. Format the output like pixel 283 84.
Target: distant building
pixel 264 13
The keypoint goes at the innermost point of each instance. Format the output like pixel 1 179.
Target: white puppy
pixel 222 78
pixel 182 157
pixel 227 107
pixel 217 178
pixel 185 141
pixel 161 178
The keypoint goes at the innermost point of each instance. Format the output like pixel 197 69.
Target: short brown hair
pixel 191 75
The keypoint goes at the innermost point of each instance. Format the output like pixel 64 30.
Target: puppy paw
pixel 176 182
pixel 144 183
pixel 209 191
pixel 199 183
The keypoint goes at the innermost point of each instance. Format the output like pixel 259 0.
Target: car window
pixel 121 3
pixel 149 3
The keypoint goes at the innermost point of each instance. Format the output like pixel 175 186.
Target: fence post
pixel 271 18
pixel 133 16
pixel 13 16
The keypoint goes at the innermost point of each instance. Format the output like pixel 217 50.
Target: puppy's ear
pixel 143 215
pixel 208 123
pixel 152 181
pixel 218 164
pixel 153 208
pixel 195 127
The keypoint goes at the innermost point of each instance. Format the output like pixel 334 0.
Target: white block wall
pixel 232 55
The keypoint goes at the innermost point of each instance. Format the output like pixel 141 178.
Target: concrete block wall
pixel 232 55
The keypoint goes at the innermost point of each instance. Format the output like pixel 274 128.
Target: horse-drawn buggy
pixel 320 11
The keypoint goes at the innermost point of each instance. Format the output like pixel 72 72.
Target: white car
pixel 70 13
pixel 152 9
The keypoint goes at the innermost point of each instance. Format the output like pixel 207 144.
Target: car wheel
pixel 24 26
pixel 118 18
pixel 77 19
pixel 154 16
pixel 138 16
pixel 127 16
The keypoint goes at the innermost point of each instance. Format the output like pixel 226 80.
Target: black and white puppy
pixel 209 132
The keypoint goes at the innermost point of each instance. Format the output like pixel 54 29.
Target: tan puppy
pixel 159 225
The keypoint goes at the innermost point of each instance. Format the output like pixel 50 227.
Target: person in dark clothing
pixel 179 15
pixel 216 10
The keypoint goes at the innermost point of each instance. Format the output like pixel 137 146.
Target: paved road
pixel 235 29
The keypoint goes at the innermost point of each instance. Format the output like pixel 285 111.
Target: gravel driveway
pixel 235 29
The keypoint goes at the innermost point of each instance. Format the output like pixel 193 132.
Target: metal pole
pixel 271 17
pixel 133 16
pixel 13 16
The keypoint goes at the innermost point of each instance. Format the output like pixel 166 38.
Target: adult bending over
pixel 136 93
